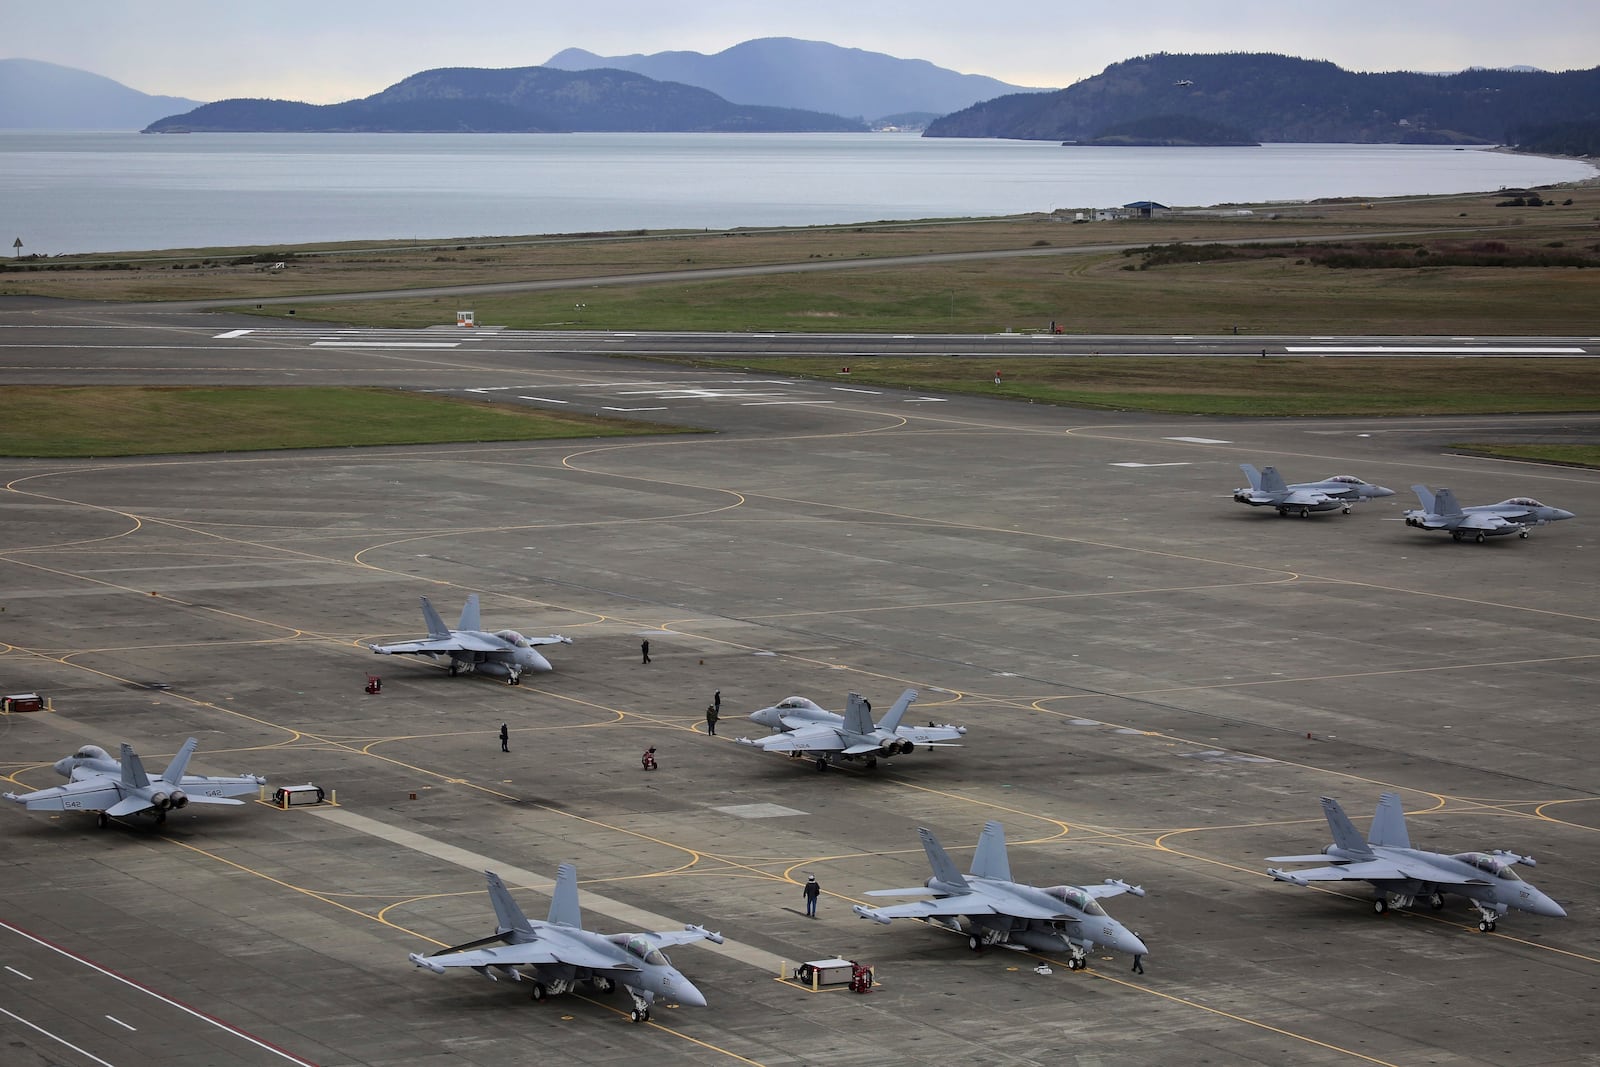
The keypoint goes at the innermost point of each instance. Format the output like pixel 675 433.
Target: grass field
pixel 62 422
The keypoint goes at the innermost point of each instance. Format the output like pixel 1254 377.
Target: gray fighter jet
pixel 560 953
pixel 1440 511
pixel 470 648
pixel 998 911
pixel 801 727
pixel 1267 489
pixel 1401 874
pixel 113 788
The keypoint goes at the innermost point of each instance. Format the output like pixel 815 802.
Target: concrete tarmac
pixel 1158 684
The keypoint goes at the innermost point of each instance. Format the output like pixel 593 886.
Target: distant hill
pixel 1279 98
pixel 786 72
pixel 515 100
pixel 45 96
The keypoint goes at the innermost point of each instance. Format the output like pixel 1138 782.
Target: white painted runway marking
pixel 1436 350
pixel 229 335
pixel 545 399
pixel 847 389
pixel 1150 464
pixel 114 976
pixel 594 903
pixel 57 1037
pixel 928 400
pixel 633 409
pixel 122 1024
pixel 19 974
pixel 780 403
pixel 385 344
pixel 1198 440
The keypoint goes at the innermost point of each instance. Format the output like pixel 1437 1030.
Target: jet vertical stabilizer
pixel 891 721
pixel 564 903
pixel 1389 824
pixel 180 763
pixel 508 915
pixel 133 773
pixel 1446 505
pixel 857 719
pixel 470 616
pixel 1252 474
pixel 1346 838
pixel 990 860
pixel 1272 481
pixel 1425 498
pixel 944 870
pixel 436 627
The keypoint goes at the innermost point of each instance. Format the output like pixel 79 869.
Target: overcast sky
pixel 323 51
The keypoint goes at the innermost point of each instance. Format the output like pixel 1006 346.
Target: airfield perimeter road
pixel 1158 682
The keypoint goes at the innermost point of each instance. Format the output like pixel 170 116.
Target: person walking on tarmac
pixel 644 650
pixel 812 891
pixel 712 714
pixel 505 738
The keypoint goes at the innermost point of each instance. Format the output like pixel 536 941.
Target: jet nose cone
pixel 1561 514
pixel 63 766
pixel 1379 490
pixel 1543 905
pixel 765 717
pixel 1128 941
pixel 686 992
pixel 537 662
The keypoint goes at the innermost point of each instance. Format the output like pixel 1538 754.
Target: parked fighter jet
pixel 561 953
pixel 1267 489
pixel 998 911
pixel 470 648
pixel 1440 511
pixel 1401 874
pixel 800 726
pixel 112 788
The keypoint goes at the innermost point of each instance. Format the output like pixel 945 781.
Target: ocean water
pixel 122 192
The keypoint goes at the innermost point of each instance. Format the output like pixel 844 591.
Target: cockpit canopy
pixel 1347 479
pixel 91 752
pixel 513 637
pixel 797 704
pixel 1077 898
pixel 642 947
pixel 1525 502
pixel 1490 865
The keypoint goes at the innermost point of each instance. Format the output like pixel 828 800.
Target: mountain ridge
pixel 35 95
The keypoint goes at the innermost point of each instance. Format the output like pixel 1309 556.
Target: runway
pixel 1157 683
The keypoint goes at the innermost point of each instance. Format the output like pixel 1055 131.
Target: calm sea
pixel 106 192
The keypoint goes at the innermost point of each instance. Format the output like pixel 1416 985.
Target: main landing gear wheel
pixel 539 992
pixel 1347 511
pixel 872 764
pixel 1479 538
pixel 1455 535
pixel 1522 534
pixel 1305 513
pixel 974 944
pixel 1076 964
pixel 102 820
pixel 1380 906
pixel 822 764
pixel 1486 925
pixel 1283 513
pixel 639 1016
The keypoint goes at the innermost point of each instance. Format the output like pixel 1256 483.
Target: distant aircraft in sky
pixel 998 911
pixel 470 648
pixel 1440 511
pixel 113 788
pixel 1401 874
pixel 1268 490
pixel 560 953
pixel 801 727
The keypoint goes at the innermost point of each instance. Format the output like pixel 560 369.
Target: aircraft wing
pixel 959 904
pixel 1112 887
pixel 129 805
pixel 212 800
pixel 533 952
pixel 553 639
pixel 1478 520
pixel 1360 871
pixel 688 935
pixel 89 795
pixel 1306 496
pixel 456 642
pixel 808 739
pixel 928 735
